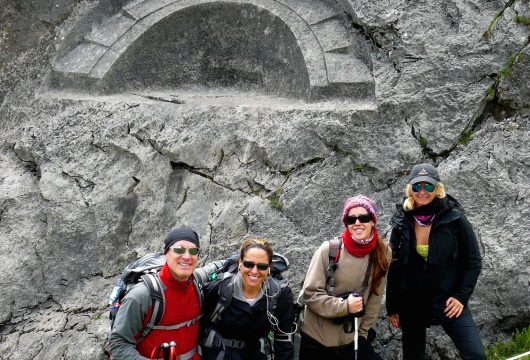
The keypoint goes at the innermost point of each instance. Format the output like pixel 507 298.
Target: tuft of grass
pixel 275 199
pixel 466 137
pixel 423 142
pixel 358 167
pixel 524 20
pixel 507 69
pixel 518 344
pixel 489 30
pixel 490 93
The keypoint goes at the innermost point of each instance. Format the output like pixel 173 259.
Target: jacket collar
pixel 452 212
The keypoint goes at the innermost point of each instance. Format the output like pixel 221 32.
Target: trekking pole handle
pixel 173 351
pixel 165 350
pixel 361 312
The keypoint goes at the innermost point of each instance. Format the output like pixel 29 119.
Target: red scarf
pixel 356 249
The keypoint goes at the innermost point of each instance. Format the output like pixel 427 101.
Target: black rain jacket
pixel 240 321
pixel 420 288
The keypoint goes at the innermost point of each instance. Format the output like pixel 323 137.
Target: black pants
pixel 311 349
pixel 461 330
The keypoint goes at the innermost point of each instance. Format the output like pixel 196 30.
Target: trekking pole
pixel 356 325
pixel 356 336
pixel 165 350
pixel 173 351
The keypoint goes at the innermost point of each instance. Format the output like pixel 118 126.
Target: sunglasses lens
pixel 262 266
pixel 248 264
pixel 193 251
pixel 416 187
pixel 429 187
pixel 365 218
pixel 179 250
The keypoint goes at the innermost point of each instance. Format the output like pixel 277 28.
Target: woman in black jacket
pixel 435 266
pixel 247 311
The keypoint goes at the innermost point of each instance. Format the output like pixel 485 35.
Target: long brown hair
pixel 381 262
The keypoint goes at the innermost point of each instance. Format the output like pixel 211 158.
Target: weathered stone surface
pixel 126 50
pixel 434 61
pixel 88 183
pixel 111 30
pixel 514 89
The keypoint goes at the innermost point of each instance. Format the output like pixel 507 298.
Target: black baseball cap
pixel 424 172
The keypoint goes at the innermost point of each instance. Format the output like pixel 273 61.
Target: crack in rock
pixel 30 164
pixel 183 166
pixel 171 100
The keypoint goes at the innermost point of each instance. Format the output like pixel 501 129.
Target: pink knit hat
pixel 359 201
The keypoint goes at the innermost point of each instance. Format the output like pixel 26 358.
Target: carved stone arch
pixel 262 45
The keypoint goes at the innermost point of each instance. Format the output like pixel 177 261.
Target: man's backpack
pixel 145 269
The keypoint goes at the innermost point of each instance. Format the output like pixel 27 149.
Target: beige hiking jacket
pixel 320 306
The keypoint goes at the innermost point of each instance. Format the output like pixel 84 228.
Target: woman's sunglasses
pixel 181 250
pixel 427 186
pixel 250 265
pixel 364 218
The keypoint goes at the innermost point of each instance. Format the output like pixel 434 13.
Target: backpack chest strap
pixel 179 325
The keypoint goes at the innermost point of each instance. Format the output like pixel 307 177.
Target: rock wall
pixel 93 176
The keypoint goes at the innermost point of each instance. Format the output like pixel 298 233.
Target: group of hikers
pixel 430 268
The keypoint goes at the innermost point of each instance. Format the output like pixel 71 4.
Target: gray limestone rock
pixel 117 123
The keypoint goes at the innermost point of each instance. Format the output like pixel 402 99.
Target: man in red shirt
pixel 180 321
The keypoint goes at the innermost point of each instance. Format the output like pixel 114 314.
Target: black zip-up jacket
pixel 452 268
pixel 241 322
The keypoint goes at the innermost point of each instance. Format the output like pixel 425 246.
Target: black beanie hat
pixel 181 233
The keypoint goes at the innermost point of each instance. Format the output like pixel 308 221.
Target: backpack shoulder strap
pixel 153 283
pixel 335 245
pixel 226 291
pixel 198 289
pixel 367 275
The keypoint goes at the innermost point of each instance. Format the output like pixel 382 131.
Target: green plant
pixel 524 20
pixel 507 69
pixel 423 142
pixel 466 137
pixel 358 167
pixel 518 344
pixel 275 199
pixel 490 93
pixel 497 16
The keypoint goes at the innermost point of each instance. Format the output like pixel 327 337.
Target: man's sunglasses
pixel 364 218
pixel 427 186
pixel 250 265
pixel 181 250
